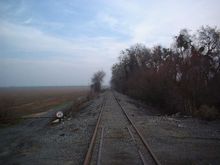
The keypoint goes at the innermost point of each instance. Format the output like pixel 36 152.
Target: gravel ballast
pixel 175 140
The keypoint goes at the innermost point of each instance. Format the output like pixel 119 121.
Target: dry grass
pixel 29 100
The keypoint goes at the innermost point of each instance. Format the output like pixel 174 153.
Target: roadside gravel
pixel 64 143
pixel 176 140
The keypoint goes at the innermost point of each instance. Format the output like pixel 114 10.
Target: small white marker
pixel 59 114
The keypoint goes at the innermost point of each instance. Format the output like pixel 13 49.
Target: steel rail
pixel 139 134
pixel 100 147
pixel 138 148
pixel 91 145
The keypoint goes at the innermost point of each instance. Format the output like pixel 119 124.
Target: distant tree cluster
pixel 97 80
pixel 183 78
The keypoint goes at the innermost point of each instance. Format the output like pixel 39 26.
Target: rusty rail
pixel 139 151
pixel 100 147
pixel 139 134
pixel 91 145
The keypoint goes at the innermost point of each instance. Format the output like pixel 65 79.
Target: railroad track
pixel 92 142
pixel 144 150
pixel 147 147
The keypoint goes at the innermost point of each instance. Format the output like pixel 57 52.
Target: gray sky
pixel 65 42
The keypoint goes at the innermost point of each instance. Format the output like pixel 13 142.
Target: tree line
pixel 183 78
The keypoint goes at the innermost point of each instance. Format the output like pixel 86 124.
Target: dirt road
pixel 174 140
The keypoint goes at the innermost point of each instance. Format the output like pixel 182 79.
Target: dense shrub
pixel 178 79
pixel 207 112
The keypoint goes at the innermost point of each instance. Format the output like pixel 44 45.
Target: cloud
pixel 108 19
pixel 28 21
pixel 77 39
pixel 153 22
pixel 33 40
pixel 78 56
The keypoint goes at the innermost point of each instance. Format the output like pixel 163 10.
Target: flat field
pixel 22 101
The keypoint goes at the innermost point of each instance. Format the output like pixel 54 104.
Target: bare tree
pixel 97 80
pixel 184 78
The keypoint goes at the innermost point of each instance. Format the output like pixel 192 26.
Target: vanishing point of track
pixel 137 131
